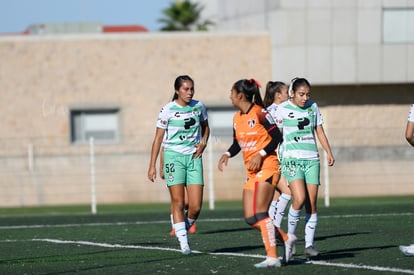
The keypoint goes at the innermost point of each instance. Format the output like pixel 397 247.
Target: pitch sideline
pixel 365 267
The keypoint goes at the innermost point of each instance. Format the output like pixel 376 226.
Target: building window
pixel 398 25
pixel 101 124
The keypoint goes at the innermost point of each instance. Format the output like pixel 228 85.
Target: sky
pixel 17 15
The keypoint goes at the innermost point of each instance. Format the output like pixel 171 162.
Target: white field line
pixel 324 263
pixel 4 227
pixel 367 267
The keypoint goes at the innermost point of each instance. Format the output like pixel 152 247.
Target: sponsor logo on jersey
pixel 248 146
pixel 302 122
pixel 270 118
pixel 188 122
pixel 251 123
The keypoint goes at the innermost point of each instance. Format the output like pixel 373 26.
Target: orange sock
pixel 268 235
pixel 281 235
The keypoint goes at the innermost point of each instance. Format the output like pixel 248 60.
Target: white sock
pixel 311 223
pixel 281 205
pixel 181 233
pixel 293 219
pixel 272 210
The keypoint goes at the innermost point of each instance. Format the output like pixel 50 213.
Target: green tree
pixel 183 16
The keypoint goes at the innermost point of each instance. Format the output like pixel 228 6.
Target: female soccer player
pixel 185 126
pixel 299 119
pixel 409 131
pixel 277 93
pixel 256 135
pixel 409 135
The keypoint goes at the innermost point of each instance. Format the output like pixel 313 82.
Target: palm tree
pixel 183 16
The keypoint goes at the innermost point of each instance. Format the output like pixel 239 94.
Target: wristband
pixel 262 153
pixel 228 154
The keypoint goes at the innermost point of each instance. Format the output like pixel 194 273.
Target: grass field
pixel 354 236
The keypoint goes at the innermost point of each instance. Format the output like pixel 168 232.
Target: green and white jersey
pixel 411 114
pixel 298 125
pixel 272 108
pixel 182 126
pixel 272 111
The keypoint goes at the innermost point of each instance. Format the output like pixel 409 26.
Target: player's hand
pixel 331 160
pixel 199 150
pixel 152 174
pixel 255 162
pixel 162 176
pixel 223 161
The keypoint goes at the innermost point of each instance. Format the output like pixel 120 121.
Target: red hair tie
pixel 251 80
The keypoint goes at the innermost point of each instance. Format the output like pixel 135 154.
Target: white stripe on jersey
pixel 411 114
pixel 298 125
pixel 182 125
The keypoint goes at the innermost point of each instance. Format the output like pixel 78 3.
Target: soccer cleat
pixel 185 249
pixel 269 262
pixel 406 250
pixel 311 251
pixel 192 229
pixel 172 232
pixel 289 245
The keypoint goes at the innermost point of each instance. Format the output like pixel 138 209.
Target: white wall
pixel 327 41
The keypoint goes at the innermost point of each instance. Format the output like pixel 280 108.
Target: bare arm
pixel 162 163
pixel 325 144
pixel 156 144
pixel 409 133
pixel 205 132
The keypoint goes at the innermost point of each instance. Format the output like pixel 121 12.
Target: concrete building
pixel 331 42
pixel 358 55
pixel 60 90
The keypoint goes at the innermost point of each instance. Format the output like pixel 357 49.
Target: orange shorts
pixel 270 171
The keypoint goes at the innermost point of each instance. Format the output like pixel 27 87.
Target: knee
pixel 298 201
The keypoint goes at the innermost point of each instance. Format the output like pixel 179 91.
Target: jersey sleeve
pixel 411 114
pixel 319 119
pixel 162 120
pixel 234 148
pixel 269 124
pixel 278 117
pixel 204 115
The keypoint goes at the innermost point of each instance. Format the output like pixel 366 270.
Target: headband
pixel 291 87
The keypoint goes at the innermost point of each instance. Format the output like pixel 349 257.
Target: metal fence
pixel 51 171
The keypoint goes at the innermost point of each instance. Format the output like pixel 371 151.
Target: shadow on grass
pixel 335 254
pixel 226 230
pixel 237 249
pixel 55 258
pixel 321 238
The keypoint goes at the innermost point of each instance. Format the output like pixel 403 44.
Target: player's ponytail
pixel 257 99
pixel 272 87
pixel 250 89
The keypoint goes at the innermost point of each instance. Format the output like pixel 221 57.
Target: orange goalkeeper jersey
pixel 251 131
